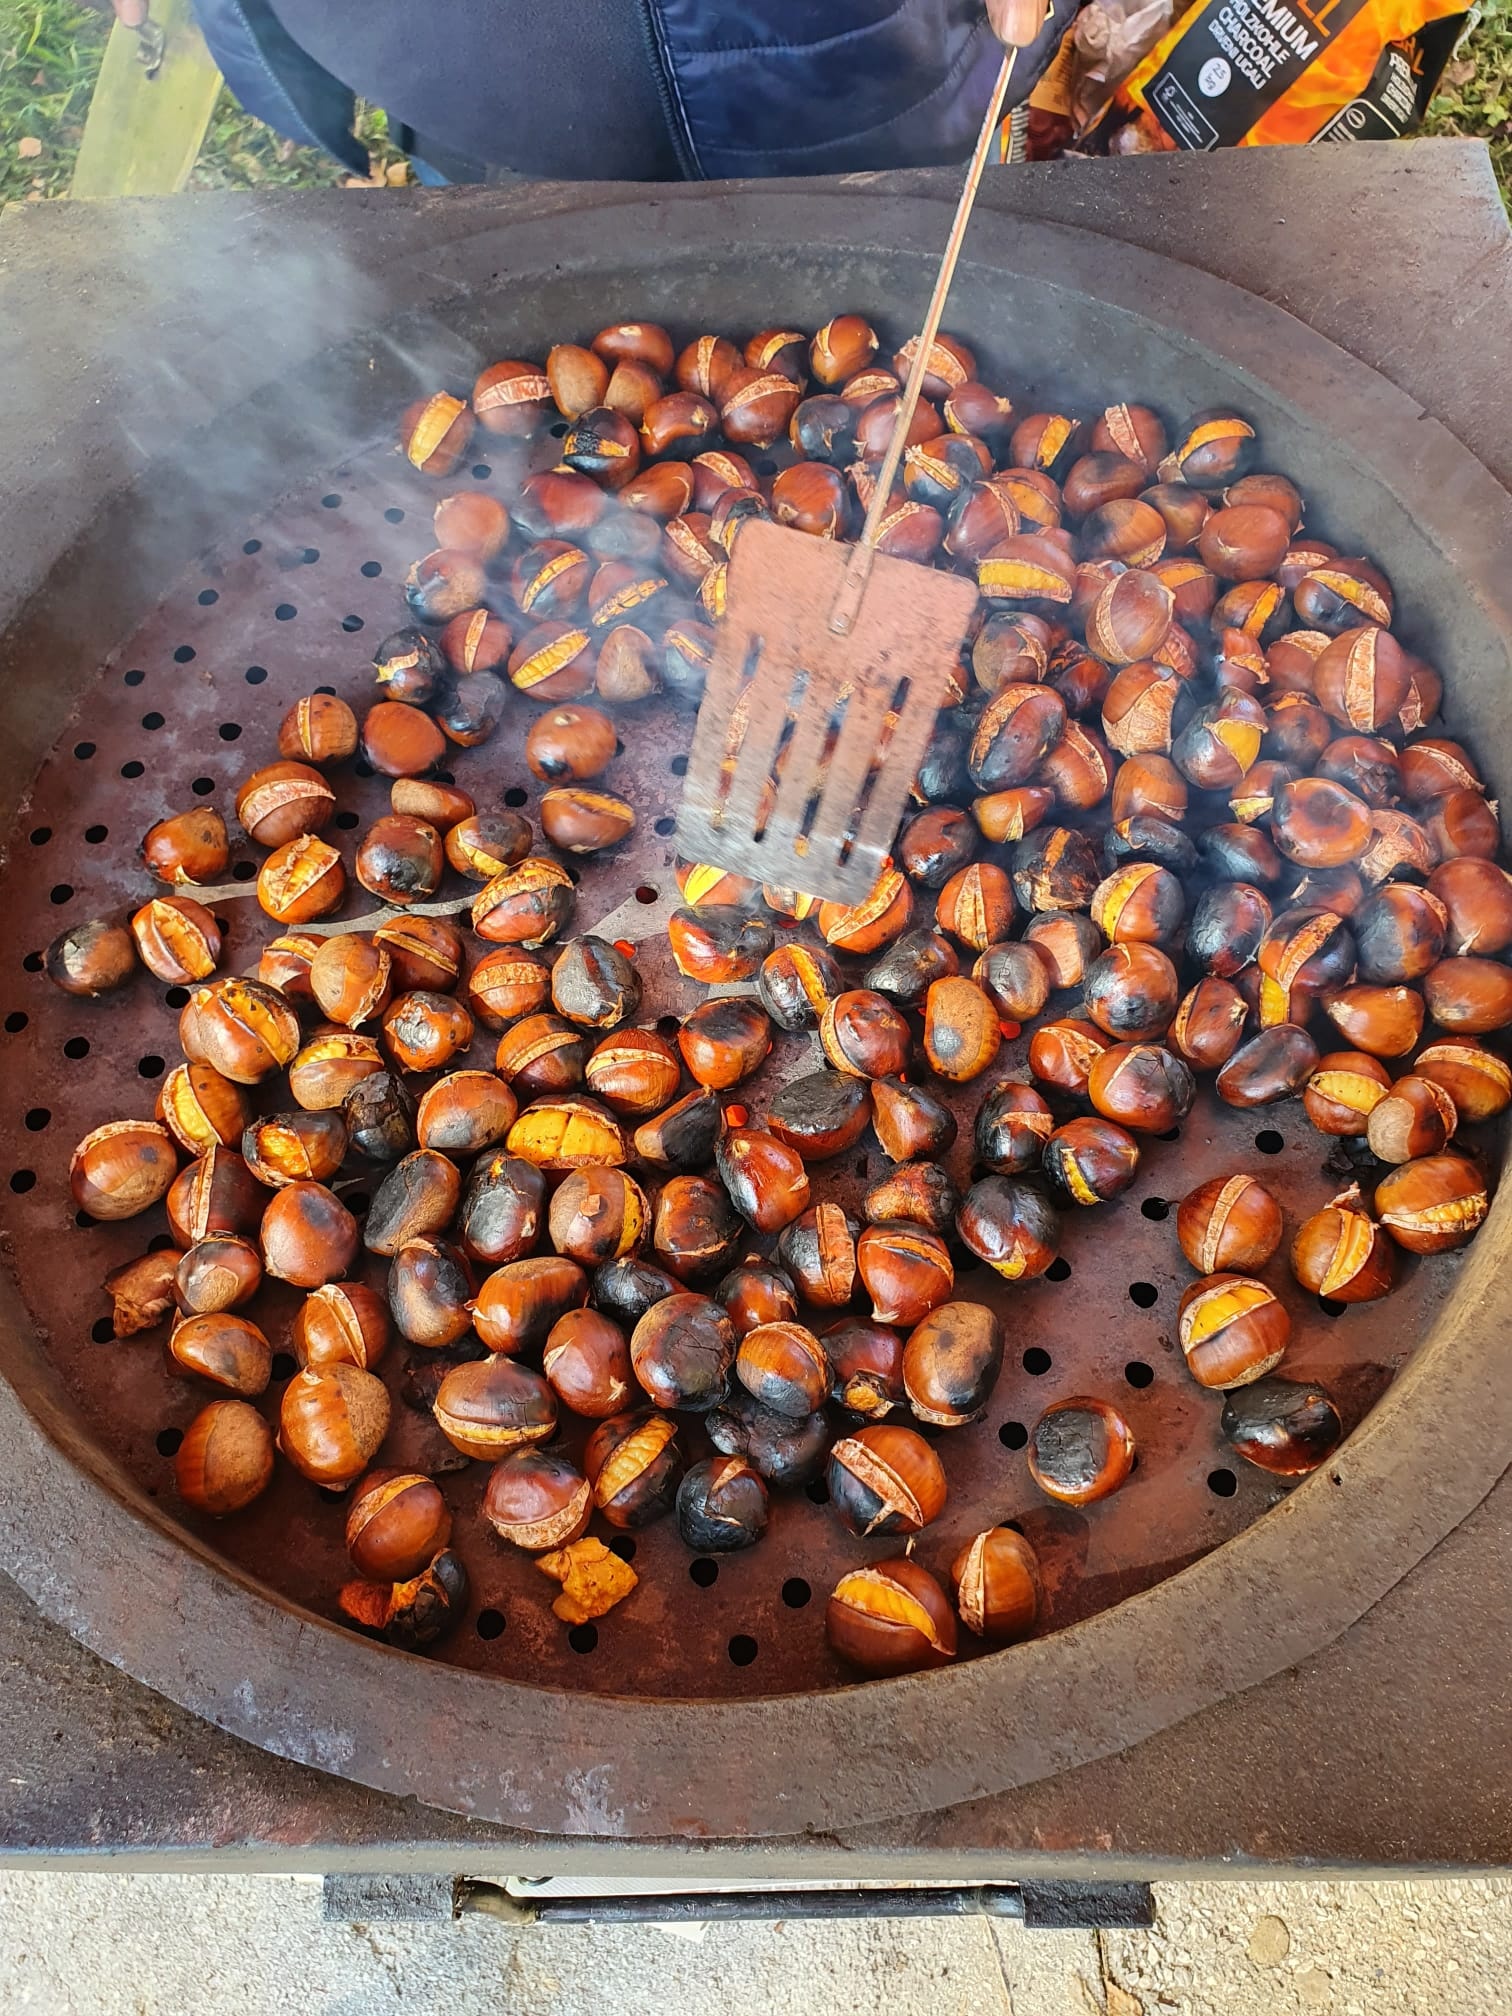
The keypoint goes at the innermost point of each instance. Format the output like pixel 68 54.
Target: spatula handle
pixel 848 601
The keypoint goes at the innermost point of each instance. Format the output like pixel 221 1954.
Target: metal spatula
pixel 847 654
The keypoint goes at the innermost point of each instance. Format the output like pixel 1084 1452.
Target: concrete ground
pixel 97 1945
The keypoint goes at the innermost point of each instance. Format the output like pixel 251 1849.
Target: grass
pixel 50 51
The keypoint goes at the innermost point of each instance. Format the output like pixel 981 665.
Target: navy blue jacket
pixel 638 90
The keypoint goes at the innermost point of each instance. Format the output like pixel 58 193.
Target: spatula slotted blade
pixel 778 666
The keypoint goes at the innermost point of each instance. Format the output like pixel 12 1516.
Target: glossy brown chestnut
pixel 424 1031
pixel 1417 1117
pixel 951 1364
pixel 1231 1224
pixel 350 978
pixel 519 1302
pixel 1131 992
pixel 502 1208
pixel 295 1147
pixel 1286 1426
pixel 227 1350
pixel 881 915
pixel 1342 1253
pixel 176 939
pixel 216 1193
pixel 821 1113
pixel 819 1251
pixel 725 1040
pixel 225 1459
pixel 319 729
pixel 566 1132
pixel 191 846
pixel 1382 1021
pixel 430 1291
pixel 866 1364
pixel 1209 1024
pixel 91 959
pixel 1343 1091
pixel 784 1366
pixel 682 1136
pixel 199 1107
pixel 797 983
pixel 398 1521
pixel 506 984
pixel 423 951
pixel 718 943
pixel 1476 896
pixel 536 1500
pixel 1470 995
pixel 1232 1330
pixel 1274 1065
pixel 1142 1086
pixel 1478 1081
pixel 998 1588
pixel 757 1294
pixel 1055 869
pixel 465 1113
pixel 308 1235
pixel 890 1618
pixel 906 1270
pixel 343 1323
pixel 910 1122
pixel 1080 1450
pixel 486 1407
pixel 401 741
pixel 483 844
pixel 415 1199
pixel 542 1053
pixel 633 1465
pixel 586 1359
pixel 885 1480
pixel 681 1351
pixel 331 1066
pixel 1090 1161
pixel 1434 1205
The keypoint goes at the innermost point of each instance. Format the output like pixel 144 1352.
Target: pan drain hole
pixel 243 871
pixel 347 820
pixel 482 470
pixel 1269 1142
pixel 40 835
pixel 704 1572
pixel 176 997
pixel 665 826
pixel 15 1022
pixel 796 1592
pixel 1138 1373
pixel 153 721
pixel 667 1025
pixel 62 892
pixel 646 894
pixel 150 1067
pixel 358 1202
pixel 134 677
pixel 371 569
pixel 558 430
pixel 331 501
pixel 32 962
pixel 24 1180
pixel 285 612
pixel 351 624
pixel 1036 1361
pixel 283 1365
pixel 583 1637
pixel 1143 1294
pixel 1058 1270
pixel 396 517
pixel 84 750
pixel 490 1624
pixel 363 769
pixel 255 674
pixel 76 1047
pixel 679 766
pixel 207 598
pixel 103 1330
pixel 1155 1208
pixel 1013 1434
pixel 95 834
pixel 82 1219
pixel 133 768
pixel 183 654
pixel 1171 1134
pixel 742 1649
pixel 158 1243
pixel 331 1496
pixel 37 1119
pixel 514 796
pixel 1222 1483
pixel 169 1440
pixel 202 786
pixel 624 1546
pixel 1330 1307
pixel 308 555
pixel 817 1491
pixel 229 731
pixel 252 546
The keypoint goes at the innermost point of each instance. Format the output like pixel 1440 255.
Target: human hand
pixel 1016 22
pixel 130 13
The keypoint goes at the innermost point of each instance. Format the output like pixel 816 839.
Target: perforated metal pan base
pixel 191 705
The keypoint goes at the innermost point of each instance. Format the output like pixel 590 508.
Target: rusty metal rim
pixel 107 1565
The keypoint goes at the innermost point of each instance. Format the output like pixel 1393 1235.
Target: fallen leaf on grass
pixel 29 148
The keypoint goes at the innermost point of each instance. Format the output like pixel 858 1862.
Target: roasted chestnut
pixel 1208 1025
pixel 520 1302
pixel 1416 1117
pixel 308 1235
pixel 885 1480
pixel 216 1193
pixel 797 983
pixel 294 1147
pixel 1012 1126
pixel 587 1361
pixel 721 1505
pixel 1090 1161
pixel 598 1215
pixel 486 1407
pixel 398 1521
pixel 786 1451
pixel 350 979
pixel 718 943
pixel 430 1291
pixel 424 1031
pixel 998 1589
pixel 977 905
pixel 633 1465
pixel 783 1366
pixel 1342 1253
pixel 861 1033
pixel 1142 1086
pixel 1478 1081
pixel 225 1459
pixel 416 1198
pixel 1062 1054
pixel 565 1132
pixel 227 1350
pixel 725 1040
pixel 756 1294
pixel 866 1365
pixel 1232 1330
pixel 961 1033
pixel 951 1364
pixel 1434 1205
pixel 1011 1225
pixel 91 959
pixel 1131 992
pixel 1229 1224
pixel 819 1251
pixel 1080 1450
pixel 123 1168
pixel 176 939
pixel 910 966
pixel 379 1112
pixel 906 1271
pixel 890 1618
pixel 1285 1426
pixel 881 915
pixel 536 1500
pixel 343 1323
pixel 1276 1064
pixel 331 1423
pixel 910 1122
pixel 681 1351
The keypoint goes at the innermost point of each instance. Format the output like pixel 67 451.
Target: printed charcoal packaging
pixel 1259 73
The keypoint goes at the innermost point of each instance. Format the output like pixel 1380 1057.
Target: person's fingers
pixel 1017 22
pixel 130 13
